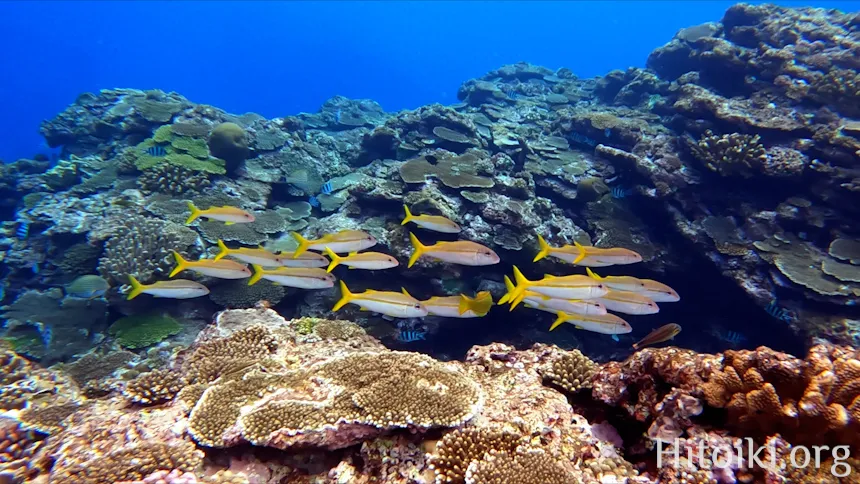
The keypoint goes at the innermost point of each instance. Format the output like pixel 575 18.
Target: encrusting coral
pixel 808 401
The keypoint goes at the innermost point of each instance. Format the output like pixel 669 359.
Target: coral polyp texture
pixel 729 165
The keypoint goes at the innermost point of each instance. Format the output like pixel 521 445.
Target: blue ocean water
pixel 280 58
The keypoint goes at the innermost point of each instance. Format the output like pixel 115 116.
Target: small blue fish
pixel 607 132
pixel 620 192
pixel 410 335
pixel 23 230
pixel 733 337
pixel 156 151
pixel 314 201
pixel 327 188
pixel 778 312
pixel 582 139
pixel 47 335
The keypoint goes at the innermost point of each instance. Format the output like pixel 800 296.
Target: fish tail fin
pixel 335 259
pixel 581 253
pixel 408 218
pixel 480 304
pixel 181 264
pixel 303 244
pixel 418 249
pixel 224 250
pixel 521 285
pixel 258 274
pixel 592 274
pixel 562 317
pixel 136 288
pixel 509 285
pixel 345 297
pixel 195 212
pixel 544 249
pixel 517 300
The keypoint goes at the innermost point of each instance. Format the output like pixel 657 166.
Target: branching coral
pixel 141 246
pixel 173 180
pixel 154 387
pixel 572 371
pixel 730 154
pixel 17 448
pixel 130 463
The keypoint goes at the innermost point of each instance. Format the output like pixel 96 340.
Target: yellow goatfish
pixel 394 304
pixel 659 292
pixel 228 215
pixel 341 242
pixel 461 306
pixel 629 303
pixel 537 300
pixel 365 260
pixel 563 287
pixel 461 252
pixel 300 277
pixel 659 335
pixel 259 256
pixel 618 283
pixel 222 269
pixel 653 290
pixel 597 257
pixel 175 289
pixel 605 324
pixel 307 259
pixel 581 255
pixel 436 223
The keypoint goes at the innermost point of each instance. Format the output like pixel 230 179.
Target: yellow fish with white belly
pixel 629 303
pixel 394 304
pixel 222 269
pixel 341 242
pixel 461 252
pixel 249 255
pixel 436 223
pixel 305 259
pixel 581 255
pixel 175 289
pixel 537 300
pixel 562 287
pixel 372 261
pixel 605 324
pixel 656 291
pixel 461 306
pixel 226 214
pixel 300 277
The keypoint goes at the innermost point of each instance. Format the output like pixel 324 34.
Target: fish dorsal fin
pixel 577 327
pixel 352 253
pixel 548 276
pixel 592 274
pixel 404 291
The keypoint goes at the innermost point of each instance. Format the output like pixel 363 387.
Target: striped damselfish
pixel 156 151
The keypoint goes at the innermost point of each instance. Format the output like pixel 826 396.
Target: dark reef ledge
pixel 731 164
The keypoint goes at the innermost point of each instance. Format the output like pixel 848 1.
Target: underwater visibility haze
pixel 429 242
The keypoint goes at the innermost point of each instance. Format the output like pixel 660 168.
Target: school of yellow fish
pixel 583 300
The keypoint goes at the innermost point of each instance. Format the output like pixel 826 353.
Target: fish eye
pixel 600 286
pixel 417 306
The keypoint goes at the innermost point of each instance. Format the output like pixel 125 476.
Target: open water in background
pixel 278 58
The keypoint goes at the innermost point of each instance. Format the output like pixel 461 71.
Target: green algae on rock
pixel 142 330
